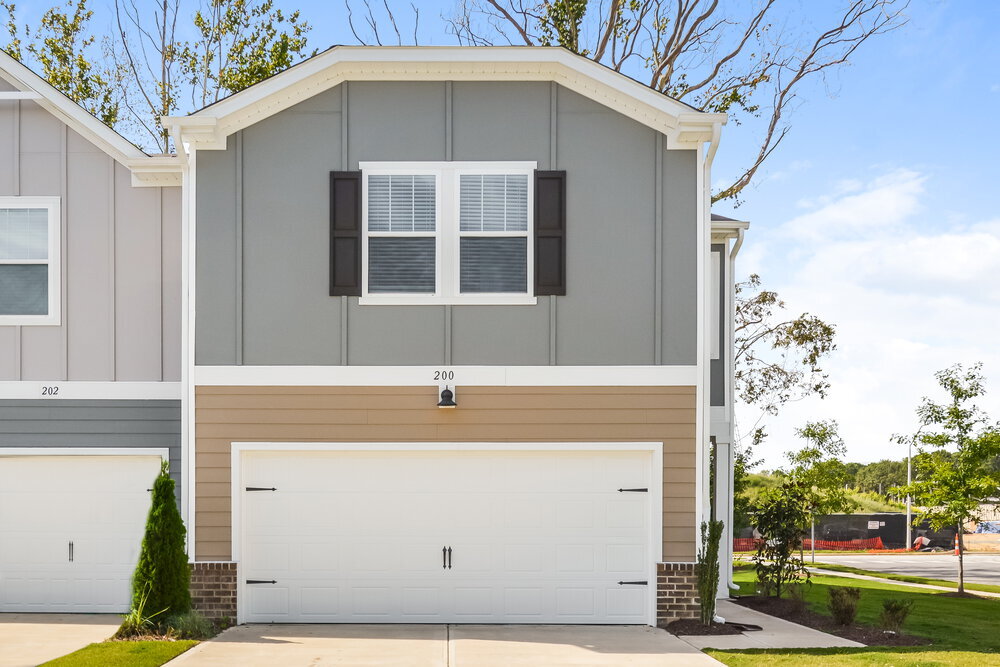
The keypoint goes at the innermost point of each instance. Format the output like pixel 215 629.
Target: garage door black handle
pixel 449 558
pixel 261 581
pixel 444 557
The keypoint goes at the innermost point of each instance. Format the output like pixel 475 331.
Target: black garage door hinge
pixel 642 490
pixel 261 488
pixel 633 583
pixel 261 581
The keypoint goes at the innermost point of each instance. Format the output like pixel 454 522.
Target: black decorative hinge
pixel 261 581
pixel 642 490
pixel 261 488
pixel 633 583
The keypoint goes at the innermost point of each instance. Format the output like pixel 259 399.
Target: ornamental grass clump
pixel 844 604
pixel 894 614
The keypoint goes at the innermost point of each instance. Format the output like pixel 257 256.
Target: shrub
pixel 708 568
pixel 162 574
pixel 894 613
pixel 844 604
pixel 189 625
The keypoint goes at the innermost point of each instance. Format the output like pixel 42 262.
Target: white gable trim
pixel 208 129
pixel 146 170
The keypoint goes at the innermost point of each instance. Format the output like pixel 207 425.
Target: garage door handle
pixel 261 581
pixel 444 557
pixel 71 551
pixel 633 583
pixel 449 558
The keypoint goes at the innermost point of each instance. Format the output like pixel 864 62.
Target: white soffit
pixel 208 128
pixel 146 170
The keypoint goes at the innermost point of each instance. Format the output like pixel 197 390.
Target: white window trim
pixel 447 233
pixel 54 208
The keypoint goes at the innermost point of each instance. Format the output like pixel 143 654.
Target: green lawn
pixel 904 577
pixel 123 654
pixel 964 631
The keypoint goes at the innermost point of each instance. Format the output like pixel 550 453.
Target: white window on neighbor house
pixel 29 260
pixel 447 232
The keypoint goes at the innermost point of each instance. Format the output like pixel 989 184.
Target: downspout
pixel 732 365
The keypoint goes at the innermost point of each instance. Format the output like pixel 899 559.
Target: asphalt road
pixel 979 568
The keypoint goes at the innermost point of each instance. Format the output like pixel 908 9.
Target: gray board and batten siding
pixel 94 423
pixel 121 259
pixel 718 366
pixel 263 232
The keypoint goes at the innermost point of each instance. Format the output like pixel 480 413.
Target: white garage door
pixel 446 536
pixel 70 530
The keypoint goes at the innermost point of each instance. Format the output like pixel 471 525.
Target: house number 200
pixel 444 375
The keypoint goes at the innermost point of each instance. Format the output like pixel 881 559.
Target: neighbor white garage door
pixel 447 536
pixel 70 530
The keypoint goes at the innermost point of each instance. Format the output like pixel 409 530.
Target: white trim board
pixel 162 452
pixel 417 376
pixel 209 127
pixel 117 391
pixel 655 494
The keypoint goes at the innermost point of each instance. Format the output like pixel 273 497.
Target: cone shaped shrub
pixel 162 575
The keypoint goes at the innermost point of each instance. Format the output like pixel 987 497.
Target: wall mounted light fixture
pixel 447 399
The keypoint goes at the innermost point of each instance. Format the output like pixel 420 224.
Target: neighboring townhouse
pixel 458 341
pixel 90 348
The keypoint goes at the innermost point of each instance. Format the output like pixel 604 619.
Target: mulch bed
pixel 796 612
pixel 692 626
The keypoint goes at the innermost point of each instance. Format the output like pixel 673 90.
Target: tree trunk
pixel 961 561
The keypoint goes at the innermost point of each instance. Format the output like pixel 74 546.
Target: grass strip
pixel 850 657
pixel 123 654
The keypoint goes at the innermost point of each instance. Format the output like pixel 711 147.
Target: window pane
pixel 494 265
pixel 24 289
pixel 401 203
pixel 24 233
pixel 493 202
pixel 401 265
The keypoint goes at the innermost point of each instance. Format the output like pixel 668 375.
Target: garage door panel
pixel 97 503
pixel 535 536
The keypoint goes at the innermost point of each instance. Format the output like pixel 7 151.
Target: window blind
pixel 494 264
pixel 401 203
pixel 493 203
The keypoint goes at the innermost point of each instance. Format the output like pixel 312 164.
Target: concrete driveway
pixel 31 639
pixel 979 568
pixel 443 646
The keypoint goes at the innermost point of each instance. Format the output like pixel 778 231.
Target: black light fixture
pixel 447 399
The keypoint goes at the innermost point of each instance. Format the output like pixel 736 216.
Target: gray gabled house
pixel 453 340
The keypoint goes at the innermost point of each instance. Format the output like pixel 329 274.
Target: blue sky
pixel 877 213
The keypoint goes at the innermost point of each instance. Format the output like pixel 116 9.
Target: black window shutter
pixel 550 233
pixel 345 233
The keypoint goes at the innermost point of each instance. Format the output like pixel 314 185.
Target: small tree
pixel 162 577
pixel 708 568
pixel 957 444
pixel 779 514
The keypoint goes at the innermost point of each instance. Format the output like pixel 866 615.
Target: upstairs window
pixel 455 232
pixel 29 260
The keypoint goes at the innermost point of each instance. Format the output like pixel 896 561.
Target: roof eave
pixel 208 129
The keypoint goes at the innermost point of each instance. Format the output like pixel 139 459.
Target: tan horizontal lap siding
pixel 402 414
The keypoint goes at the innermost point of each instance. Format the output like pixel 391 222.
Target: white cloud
pixel 908 296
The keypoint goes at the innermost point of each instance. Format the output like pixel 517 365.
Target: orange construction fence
pixel 875 543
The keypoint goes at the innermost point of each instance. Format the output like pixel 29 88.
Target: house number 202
pixel 444 375
pixel 50 391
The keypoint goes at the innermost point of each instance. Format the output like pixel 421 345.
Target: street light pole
pixel 909 480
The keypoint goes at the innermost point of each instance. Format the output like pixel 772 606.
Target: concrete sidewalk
pixel 776 633
pixel 30 639
pixel 868 577
pixel 444 646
